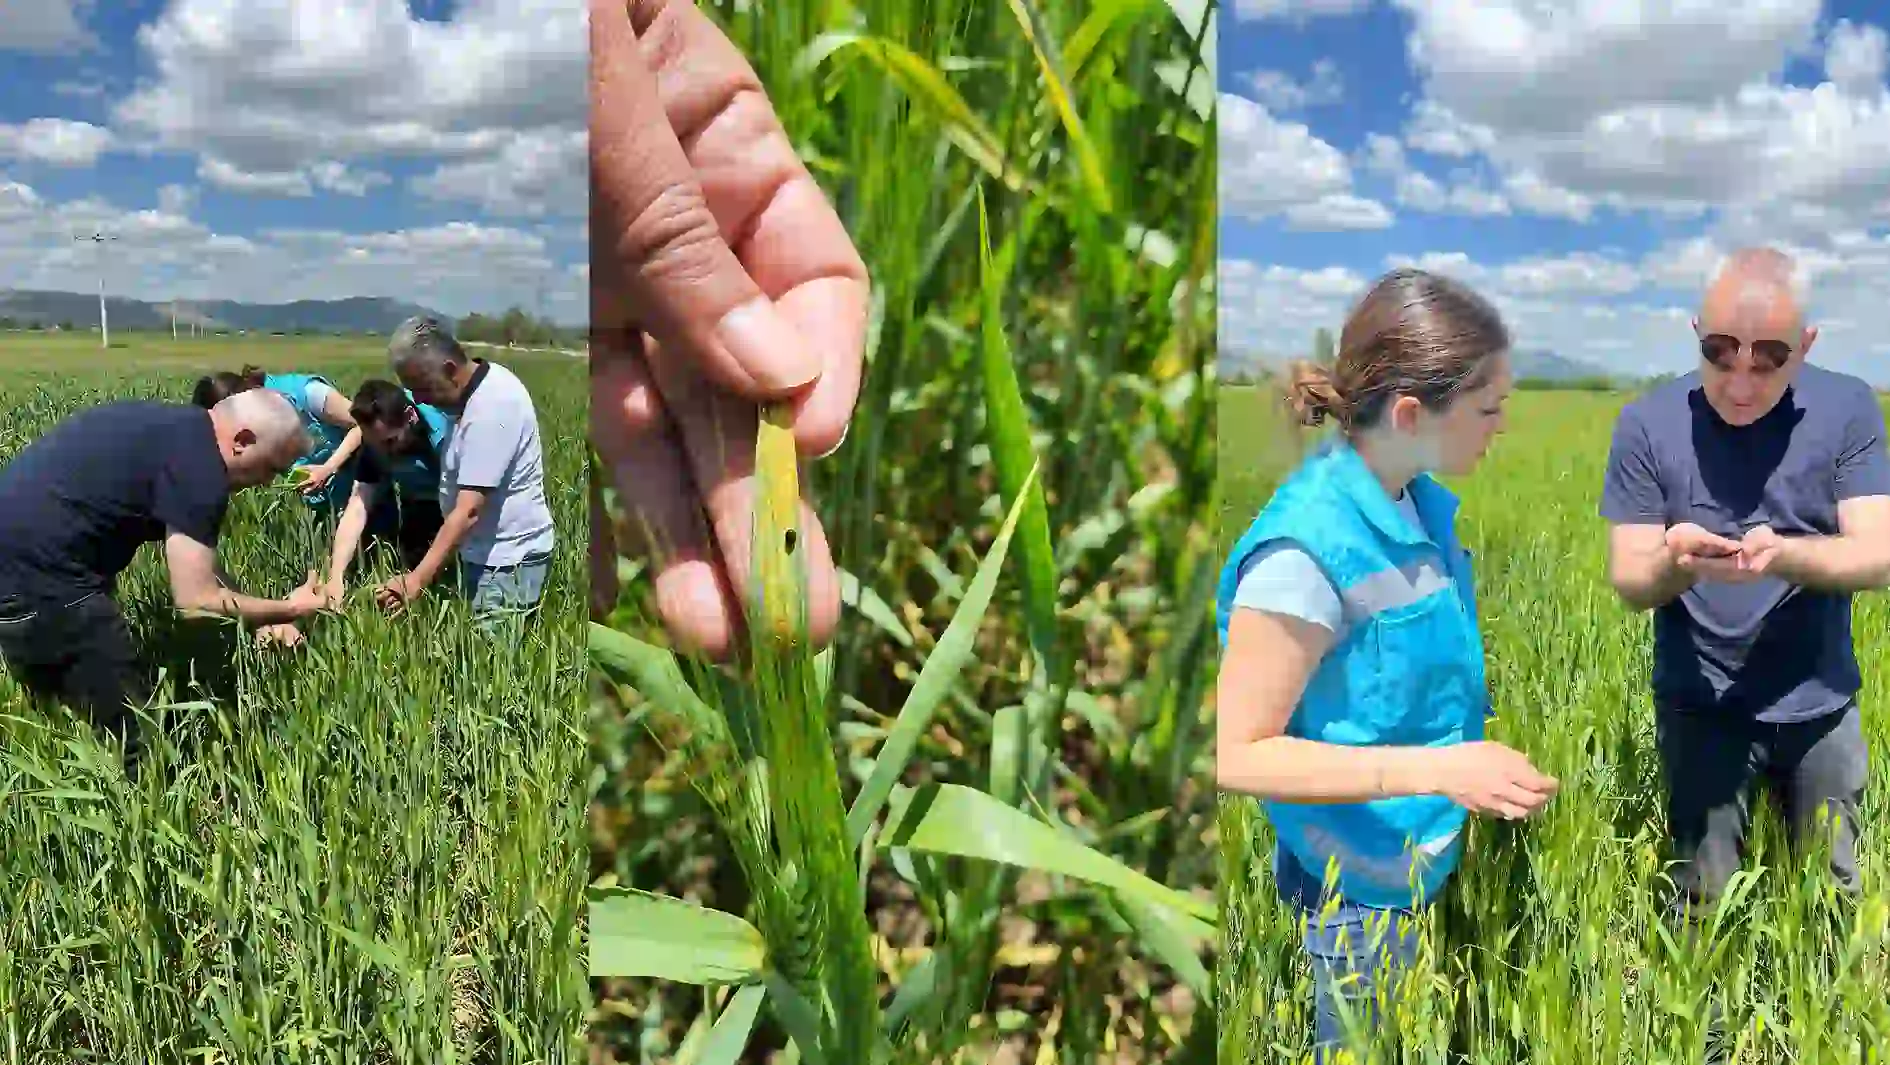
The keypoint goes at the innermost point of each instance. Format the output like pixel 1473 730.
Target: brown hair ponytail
pixel 1413 333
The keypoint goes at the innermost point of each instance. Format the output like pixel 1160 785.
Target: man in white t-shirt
pixel 492 475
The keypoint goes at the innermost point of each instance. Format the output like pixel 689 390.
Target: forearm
pixel 230 603
pixel 345 451
pixel 1289 769
pixel 347 539
pixel 445 542
pixel 1833 563
pixel 1651 580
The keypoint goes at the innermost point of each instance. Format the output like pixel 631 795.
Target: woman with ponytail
pixel 1352 695
pixel 324 411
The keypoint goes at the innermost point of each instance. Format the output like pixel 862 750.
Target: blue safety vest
pixel 294 386
pixel 1406 668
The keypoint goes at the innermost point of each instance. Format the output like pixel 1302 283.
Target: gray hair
pixel 270 416
pixel 426 341
pixel 1764 272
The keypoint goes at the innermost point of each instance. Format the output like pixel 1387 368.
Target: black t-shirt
pixel 77 503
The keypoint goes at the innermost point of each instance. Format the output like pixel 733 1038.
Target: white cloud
pixel 1463 196
pixel 535 174
pixel 338 177
pixel 1526 66
pixel 1579 274
pixel 1280 91
pixel 1296 9
pixel 1670 106
pixel 1269 166
pixel 164 253
pixel 328 175
pixel 1274 310
pixel 85 90
pixel 1527 190
pixel 47 26
pixel 177 199
pixel 58 141
pixel 272 94
pixel 1854 58
pixel 1383 155
pixel 1438 130
pixel 1338 211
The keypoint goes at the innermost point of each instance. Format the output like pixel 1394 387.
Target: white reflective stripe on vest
pixel 1391 589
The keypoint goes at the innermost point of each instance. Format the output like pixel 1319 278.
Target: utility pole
pixel 104 328
pixel 544 309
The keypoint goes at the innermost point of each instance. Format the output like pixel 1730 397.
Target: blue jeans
pixel 495 591
pixel 1358 954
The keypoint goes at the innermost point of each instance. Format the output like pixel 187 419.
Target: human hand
pixel 1760 550
pixel 316 479
pixel 721 279
pixel 309 597
pixel 334 593
pixel 396 593
pixel 1688 542
pixel 280 635
pixel 1490 778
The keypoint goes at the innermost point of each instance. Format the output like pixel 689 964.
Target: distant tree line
pixel 517 328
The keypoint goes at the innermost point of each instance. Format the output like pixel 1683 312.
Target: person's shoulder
pixel 139 414
pixel 1824 384
pixel 510 384
pixel 1662 398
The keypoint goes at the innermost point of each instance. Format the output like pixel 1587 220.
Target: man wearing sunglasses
pixel 1748 500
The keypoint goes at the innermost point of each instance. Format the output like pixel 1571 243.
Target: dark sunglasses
pixel 1720 350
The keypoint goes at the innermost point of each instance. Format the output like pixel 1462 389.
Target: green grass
pixel 1079 701
pixel 1548 948
pixel 366 849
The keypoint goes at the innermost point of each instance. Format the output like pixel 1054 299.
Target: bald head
pixel 1757 284
pixel 1752 332
pixel 260 434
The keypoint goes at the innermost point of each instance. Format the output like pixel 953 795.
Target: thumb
pixel 654 239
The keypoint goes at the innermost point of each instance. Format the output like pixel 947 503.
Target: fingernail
pixel 766 346
pixel 837 444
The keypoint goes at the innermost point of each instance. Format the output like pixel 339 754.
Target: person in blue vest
pixel 325 413
pixel 1352 696
pixel 395 496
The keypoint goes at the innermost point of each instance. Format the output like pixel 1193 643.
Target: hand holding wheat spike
pixel 695 328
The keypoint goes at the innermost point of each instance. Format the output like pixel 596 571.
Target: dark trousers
pixel 1711 763
pixel 79 653
pixel 408 525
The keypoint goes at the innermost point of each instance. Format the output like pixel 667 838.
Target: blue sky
pixel 1584 169
pixel 300 149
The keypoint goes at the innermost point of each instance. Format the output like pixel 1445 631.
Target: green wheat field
pixel 1068 715
pixel 365 849
pixel 1547 949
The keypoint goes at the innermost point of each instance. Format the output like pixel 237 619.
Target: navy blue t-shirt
pixel 1766 649
pixel 78 502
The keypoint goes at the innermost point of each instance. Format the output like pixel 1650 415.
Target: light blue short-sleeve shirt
pixel 1283 579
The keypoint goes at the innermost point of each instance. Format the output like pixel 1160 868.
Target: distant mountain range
pixel 359 314
pixel 1536 364
pixel 1545 365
